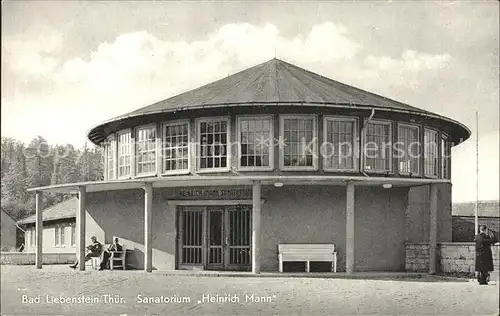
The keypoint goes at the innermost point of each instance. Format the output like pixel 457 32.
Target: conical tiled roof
pixel 276 83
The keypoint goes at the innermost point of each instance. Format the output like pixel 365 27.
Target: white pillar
pixel 148 212
pixel 350 228
pixel 433 230
pixel 80 223
pixel 39 229
pixel 256 194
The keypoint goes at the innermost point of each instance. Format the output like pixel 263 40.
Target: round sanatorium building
pixel 269 169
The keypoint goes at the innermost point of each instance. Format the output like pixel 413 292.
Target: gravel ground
pixel 271 296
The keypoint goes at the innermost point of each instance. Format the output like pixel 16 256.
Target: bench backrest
pixel 306 248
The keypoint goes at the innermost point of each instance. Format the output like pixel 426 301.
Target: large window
pixel 124 145
pixel 175 147
pixel 213 143
pixel 377 148
pixel 109 148
pixel 255 138
pixel 408 151
pixel 145 153
pixel 430 153
pixel 30 237
pixel 298 135
pixel 59 240
pixel 339 147
pixel 73 234
pixel 445 157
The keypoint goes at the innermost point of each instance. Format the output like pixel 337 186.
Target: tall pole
pixel 476 220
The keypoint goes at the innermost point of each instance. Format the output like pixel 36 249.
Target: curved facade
pixel 277 118
pixel 218 178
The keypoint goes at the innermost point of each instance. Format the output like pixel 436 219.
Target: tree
pixel 15 181
pixel 39 162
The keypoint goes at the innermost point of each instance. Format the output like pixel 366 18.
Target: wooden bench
pixel 307 253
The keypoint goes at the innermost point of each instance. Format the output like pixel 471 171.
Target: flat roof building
pixel 218 177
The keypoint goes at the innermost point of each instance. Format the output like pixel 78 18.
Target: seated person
pixel 108 253
pixel 94 250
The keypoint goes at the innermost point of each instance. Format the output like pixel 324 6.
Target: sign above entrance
pixel 215 193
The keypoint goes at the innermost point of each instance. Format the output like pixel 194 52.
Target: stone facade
pixel 452 257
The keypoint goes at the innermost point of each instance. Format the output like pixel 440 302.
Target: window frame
pixel 110 147
pixel 340 118
pixel 445 143
pixel 438 172
pixel 73 235
pixel 117 136
pixel 282 118
pixel 59 233
pixel 417 173
pixel 239 119
pixel 163 130
pixel 198 122
pixel 136 144
pixel 389 123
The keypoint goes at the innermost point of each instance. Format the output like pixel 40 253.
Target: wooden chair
pixel 117 259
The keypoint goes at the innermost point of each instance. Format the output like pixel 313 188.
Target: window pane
pixel 298 135
pixel 146 150
pixel 377 147
pixel 213 144
pixel 109 148
pixel 255 142
pixel 409 149
pixel 430 152
pixel 340 137
pixel 175 147
pixel 124 143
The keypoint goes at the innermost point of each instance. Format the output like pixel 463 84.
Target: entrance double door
pixel 215 237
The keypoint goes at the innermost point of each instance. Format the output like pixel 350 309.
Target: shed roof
pixel 484 209
pixel 65 209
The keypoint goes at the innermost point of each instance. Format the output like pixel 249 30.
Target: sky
pixel 68 65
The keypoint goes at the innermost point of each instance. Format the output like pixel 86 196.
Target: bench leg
pixel 281 266
pixel 307 266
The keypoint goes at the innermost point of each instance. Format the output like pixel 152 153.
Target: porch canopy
pixel 256 181
pixel 194 181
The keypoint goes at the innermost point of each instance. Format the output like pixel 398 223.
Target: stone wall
pixel 27 258
pixel 452 257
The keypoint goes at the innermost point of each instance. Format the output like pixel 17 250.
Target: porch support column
pixel 256 194
pixel 350 228
pixel 148 238
pixel 81 224
pixel 433 230
pixel 39 229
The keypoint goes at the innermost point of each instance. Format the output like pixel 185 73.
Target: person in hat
pixel 94 250
pixel 109 253
pixel 484 256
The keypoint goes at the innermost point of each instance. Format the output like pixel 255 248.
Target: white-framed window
pixel 109 148
pixel 213 138
pixel 59 238
pixel 408 151
pixel 73 234
pixel 431 154
pixel 175 140
pixel 124 139
pixel 377 146
pixel 339 148
pixel 255 142
pixel 30 237
pixel 445 157
pixel 298 134
pixel 145 150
